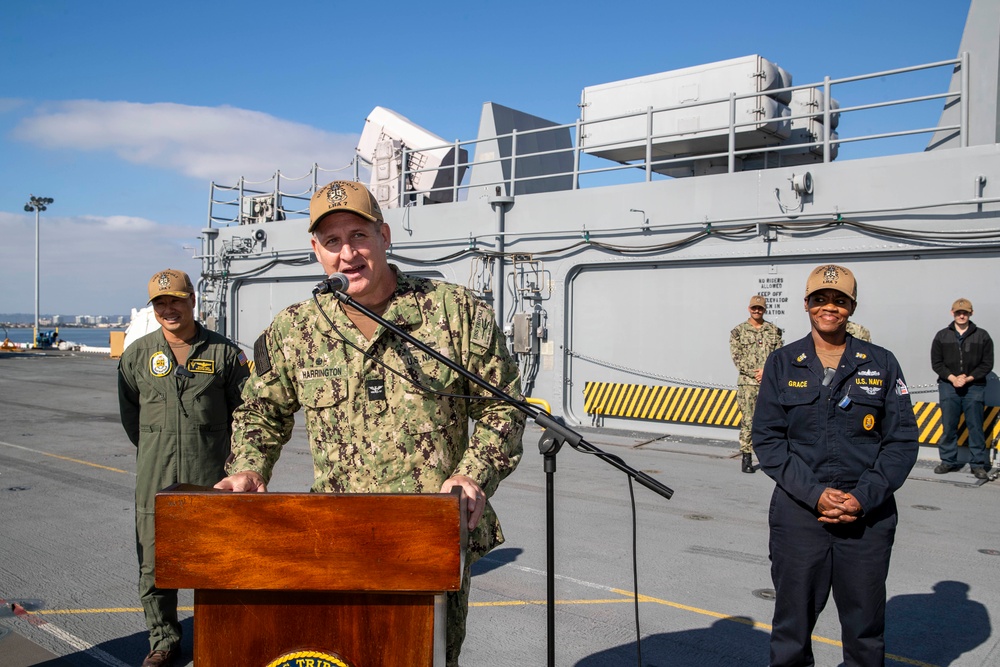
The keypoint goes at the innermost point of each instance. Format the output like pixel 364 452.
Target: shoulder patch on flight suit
pixel 261 357
pixel 482 327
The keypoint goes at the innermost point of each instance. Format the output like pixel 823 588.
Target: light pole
pixel 37 204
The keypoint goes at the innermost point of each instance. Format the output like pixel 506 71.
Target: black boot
pixel 748 462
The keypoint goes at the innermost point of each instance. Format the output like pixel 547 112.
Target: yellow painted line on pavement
pixel 628 597
pixel 64 458
pixel 755 624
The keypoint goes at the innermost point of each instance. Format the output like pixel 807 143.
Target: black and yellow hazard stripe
pixel 717 407
pixel 688 405
pixel 929 422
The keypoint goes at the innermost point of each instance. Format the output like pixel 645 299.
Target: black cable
pixel 635 553
pixel 635 574
pixel 303 261
pixel 747 231
pixel 415 383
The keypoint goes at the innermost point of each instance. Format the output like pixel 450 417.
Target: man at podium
pixel 382 416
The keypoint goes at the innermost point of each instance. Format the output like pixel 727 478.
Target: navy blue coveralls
pixel 856 434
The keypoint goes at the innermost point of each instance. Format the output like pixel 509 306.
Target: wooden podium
pixel 325 580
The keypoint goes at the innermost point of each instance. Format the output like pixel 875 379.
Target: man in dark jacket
pixel 835 430
pixel 177 389
pixel 962 357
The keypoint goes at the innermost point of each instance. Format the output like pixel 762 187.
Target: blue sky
pixel 124 112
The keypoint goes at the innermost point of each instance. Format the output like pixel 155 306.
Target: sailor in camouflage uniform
pixel 381 415
pixel 749 344
pixel 859 331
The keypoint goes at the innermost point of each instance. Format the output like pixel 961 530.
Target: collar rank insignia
pixel 376 389
pixel 860 355
pixel 801 357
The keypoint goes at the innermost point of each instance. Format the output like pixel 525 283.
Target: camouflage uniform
pixel 372 431
pixel 180 427
pixel 749 347
pixel 859 332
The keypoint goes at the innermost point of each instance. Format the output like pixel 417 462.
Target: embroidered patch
pixel 798 383
pixel 482 326
pixel 242 358
pixel 901 387
pixel 318 373
pixel 201 365
pixel 261 357
pixel 869 422
pixel 376 389
pixel 160 364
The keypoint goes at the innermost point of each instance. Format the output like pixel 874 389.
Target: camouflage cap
pixel 831 276
pixel 758 300
pixel 348 196
pixel 170 282
pixel 962 304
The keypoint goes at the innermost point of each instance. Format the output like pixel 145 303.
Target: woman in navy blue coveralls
pixel 835 430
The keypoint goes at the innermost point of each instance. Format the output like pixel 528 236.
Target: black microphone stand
pixel 554 435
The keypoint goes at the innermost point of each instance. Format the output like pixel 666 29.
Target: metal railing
pixel 229 210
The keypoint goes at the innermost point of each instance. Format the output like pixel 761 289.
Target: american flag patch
pixel 242 357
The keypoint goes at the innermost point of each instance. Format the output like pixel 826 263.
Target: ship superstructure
pixel 620 249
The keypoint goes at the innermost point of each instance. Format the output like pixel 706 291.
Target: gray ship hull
pixel 618 285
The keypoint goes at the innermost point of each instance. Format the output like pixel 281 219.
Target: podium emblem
pixel 310 658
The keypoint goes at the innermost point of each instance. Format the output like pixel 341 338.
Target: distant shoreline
pixel 22 325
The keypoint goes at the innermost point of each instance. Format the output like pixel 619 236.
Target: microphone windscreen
pixel 339 282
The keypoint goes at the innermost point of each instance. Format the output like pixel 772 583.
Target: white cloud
pixel 10 104
pixel 89 264
pixel 207 143
pixel 122 223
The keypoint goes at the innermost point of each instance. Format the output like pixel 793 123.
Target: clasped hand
pixel 837 507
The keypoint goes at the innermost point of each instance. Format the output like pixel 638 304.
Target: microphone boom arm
pixel 556 430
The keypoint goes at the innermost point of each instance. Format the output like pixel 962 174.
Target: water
pixel 79 335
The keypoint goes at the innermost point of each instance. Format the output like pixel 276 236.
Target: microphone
pixel 335 282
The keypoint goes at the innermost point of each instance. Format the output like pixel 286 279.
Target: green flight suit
pixel 372 431
pixel 181 428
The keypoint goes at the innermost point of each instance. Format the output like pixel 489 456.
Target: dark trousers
pixel 968 400
pixel 808 560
